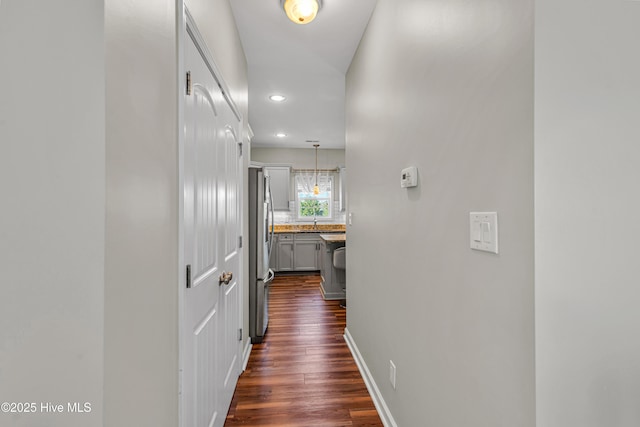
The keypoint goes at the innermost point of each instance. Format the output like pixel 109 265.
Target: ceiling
pixel 305 63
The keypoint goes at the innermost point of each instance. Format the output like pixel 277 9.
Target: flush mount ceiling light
pixel 301 11
pixel 281 135
pixel 277 98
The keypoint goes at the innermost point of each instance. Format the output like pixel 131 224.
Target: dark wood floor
pixel 303 373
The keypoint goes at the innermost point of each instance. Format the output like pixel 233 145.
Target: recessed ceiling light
pixel 277 98
pixel 281 135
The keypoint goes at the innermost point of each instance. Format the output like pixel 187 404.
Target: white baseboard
pixel 327 296
pixel 374 391
pixel 245 354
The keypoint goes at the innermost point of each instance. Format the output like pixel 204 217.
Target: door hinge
pixel 188 82
pixel 240 334
pixel 239 241
pixel 240 149
pixel 188 276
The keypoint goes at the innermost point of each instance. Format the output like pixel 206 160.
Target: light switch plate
pixel 392 374
pixel 483 231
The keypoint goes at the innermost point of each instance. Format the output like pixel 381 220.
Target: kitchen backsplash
pixel 289 217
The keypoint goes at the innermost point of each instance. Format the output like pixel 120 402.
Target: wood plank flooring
pixel 303 373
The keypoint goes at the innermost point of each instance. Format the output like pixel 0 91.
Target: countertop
pixel 334 238
pixel 308 228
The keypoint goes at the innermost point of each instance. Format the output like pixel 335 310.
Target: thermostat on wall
pixel 409 177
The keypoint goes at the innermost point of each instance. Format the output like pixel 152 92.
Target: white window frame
pixel 329 199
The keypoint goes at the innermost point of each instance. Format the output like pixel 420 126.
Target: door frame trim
pixel 192 30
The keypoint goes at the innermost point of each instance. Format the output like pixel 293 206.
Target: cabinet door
pixel 306 255
pixel 326 264
pixel 285 252
pixel 319 254
pixel 280 186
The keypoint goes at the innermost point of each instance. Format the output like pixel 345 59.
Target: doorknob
pixel 225 278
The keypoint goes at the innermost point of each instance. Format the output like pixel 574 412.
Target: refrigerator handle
pixel 272 217
pixel 270 277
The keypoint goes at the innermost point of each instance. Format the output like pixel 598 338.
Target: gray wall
pixel 52 232
pixel 142 294
pixel 587 272
pixel 446 87
pixel 89 225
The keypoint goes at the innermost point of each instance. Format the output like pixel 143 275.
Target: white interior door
pixel 211 345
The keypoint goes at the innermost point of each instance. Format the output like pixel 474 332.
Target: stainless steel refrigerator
pixel 260 246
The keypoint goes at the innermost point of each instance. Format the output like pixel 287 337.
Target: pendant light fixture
pixel 316 189
pixel 301 11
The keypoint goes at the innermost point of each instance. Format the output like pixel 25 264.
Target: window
pixel 310 206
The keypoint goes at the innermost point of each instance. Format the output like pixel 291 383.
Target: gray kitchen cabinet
pixel 306 250
pixel 279 178
pixel 330 286
pixel 296 252
pixel 285 253
pixel 326 265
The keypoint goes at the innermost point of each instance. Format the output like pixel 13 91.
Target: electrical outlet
pixel 392 374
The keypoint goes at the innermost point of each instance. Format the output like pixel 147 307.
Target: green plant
pixel 313 207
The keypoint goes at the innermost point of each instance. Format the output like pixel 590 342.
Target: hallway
pixel 303 373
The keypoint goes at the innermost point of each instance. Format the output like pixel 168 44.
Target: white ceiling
pixel 305 63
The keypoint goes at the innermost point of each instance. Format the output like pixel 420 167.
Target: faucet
pixel 315 223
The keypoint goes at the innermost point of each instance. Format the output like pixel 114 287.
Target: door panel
pixel 206 337
pixel 211 323
pixel 232 177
